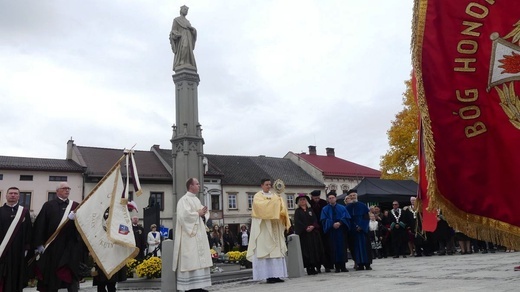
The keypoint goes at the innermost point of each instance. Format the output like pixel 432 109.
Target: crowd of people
pixel 39 250
pixel 35 252
pixel 221 238
pixel 331 233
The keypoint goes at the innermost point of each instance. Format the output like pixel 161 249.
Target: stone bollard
pixel 168 276
pixel 294 257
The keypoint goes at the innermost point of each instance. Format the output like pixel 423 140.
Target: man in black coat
pixel 317 205
pixel 140 237
pixel 59 261
pixel 15 231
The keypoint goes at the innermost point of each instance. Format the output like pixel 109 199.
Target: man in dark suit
pixel 140 239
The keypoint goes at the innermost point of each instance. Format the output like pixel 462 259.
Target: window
pixel 232 201
pixel 51 196
pixel 290 201
pixel 26 177
pixel 250 197
pixel 25 199
pixel 57 178
pixel 215 197
pixel 157 198
pixel 215 202
pixel 1 176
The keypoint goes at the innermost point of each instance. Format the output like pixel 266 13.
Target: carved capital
pixel 186 75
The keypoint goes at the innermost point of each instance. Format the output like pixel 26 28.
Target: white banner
pixel 119 223
pixel 102 210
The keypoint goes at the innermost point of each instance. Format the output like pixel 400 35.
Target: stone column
pixel 294 258
pixel 168 276
pixel 187 141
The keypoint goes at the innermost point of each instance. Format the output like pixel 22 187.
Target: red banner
pixel 466 57
pixel 429 222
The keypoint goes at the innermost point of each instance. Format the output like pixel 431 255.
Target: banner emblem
pixel 505 67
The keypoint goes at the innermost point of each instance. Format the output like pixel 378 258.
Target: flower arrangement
pixel 150 268
pixel 214 254
pixel 243 260
pixel 131 265
pixel 235 255
pixel 238 256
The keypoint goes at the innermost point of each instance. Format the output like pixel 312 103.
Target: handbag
pixel 376 245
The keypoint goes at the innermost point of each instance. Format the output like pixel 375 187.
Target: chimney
pixel 330 152
pixel 312 150
pixel 70 145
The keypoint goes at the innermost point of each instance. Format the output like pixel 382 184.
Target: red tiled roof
pixel 334 166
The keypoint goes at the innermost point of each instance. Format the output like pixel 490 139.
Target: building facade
pixel 38 178
pixel 230 181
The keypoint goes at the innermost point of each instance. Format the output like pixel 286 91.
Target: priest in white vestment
pixel 191 254
pixel 267 248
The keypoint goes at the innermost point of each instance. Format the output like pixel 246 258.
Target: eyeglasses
pixel 65 188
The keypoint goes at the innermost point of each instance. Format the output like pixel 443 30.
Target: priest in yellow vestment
pixel 267 248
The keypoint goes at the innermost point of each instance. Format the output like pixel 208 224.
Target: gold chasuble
pixel 265 207
pixel 269 221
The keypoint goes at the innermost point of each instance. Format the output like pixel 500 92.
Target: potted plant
pixel 150 268
pixel 131 265
pixel 243 260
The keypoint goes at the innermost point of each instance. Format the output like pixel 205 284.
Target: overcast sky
pixel 276 76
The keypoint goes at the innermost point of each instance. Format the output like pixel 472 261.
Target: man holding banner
pixel 59 259
pixel 104 222
pixel 15 231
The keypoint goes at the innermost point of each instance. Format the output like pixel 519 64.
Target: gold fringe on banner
pixel 475 226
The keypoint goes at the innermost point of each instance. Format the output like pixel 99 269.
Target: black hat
pixel 351 191
pixel 302 195
pixel 331 193
pixel 316 193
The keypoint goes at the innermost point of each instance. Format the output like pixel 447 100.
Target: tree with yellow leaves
pixel 401 161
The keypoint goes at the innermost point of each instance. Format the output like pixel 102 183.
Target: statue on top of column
pixel 182 40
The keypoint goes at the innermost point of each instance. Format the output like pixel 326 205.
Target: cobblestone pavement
pixel 475 272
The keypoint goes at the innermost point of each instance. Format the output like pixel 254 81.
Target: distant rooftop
pixel 330 165
pixel 100 160
pixel 43 164
pixel 249 170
